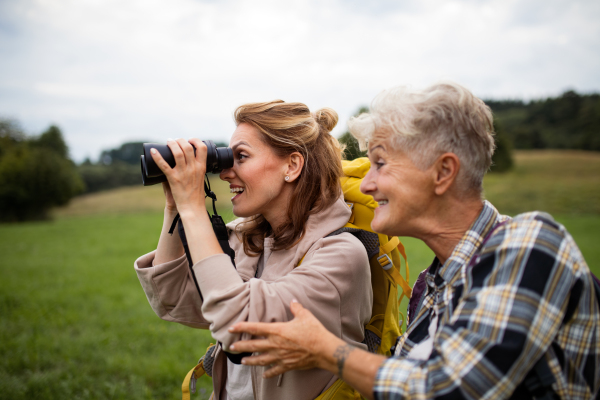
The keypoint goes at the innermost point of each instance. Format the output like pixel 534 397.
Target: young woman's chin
pixel 240 212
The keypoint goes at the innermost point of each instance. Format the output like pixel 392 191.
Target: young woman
pixel 285 182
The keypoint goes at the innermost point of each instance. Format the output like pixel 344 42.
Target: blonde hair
pixel 424 124
pixel 289 128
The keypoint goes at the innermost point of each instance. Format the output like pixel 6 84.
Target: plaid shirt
pixel 490 312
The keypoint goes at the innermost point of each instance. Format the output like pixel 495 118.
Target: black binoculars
pixel 217 159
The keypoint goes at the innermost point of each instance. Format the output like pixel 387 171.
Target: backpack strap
pixel 203 367
pixel 386 263
pixel 340 390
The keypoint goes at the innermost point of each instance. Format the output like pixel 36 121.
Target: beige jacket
pixel 333 282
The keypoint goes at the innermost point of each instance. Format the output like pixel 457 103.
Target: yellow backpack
pixel 384 258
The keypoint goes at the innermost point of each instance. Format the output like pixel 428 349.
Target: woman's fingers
pixel 187 149
pixel 160 161
pixel 262 359
pixel 201 150
pixel 274 371
pixel 254 328
pixel 177 151
pixel 251 346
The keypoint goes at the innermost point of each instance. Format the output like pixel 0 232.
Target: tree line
pixel 569 121
pixel 37 174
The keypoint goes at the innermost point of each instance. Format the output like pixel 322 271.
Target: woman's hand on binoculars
pixel 186 179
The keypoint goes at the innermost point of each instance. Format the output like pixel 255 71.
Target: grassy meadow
pixel 75 323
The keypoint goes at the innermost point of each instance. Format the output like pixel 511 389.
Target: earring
pixel 287 178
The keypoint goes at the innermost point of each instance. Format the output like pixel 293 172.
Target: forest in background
pixel 568 121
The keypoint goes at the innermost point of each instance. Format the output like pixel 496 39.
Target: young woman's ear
pixel 295 163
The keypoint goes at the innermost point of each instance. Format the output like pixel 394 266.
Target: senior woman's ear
pixel 295 163
pixel 445 170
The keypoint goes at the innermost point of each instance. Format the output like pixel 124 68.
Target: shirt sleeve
pixel 514 301
pixel 171 290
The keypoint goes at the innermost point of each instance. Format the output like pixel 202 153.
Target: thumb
pixel 296 308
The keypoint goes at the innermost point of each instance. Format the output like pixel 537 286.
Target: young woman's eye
pixel 241 156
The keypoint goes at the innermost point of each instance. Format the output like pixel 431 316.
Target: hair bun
pixel 327 118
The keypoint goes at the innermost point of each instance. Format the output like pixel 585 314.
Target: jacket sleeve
pixel 171 291
pixel 333 282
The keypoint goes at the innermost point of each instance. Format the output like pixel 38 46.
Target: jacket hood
pixel 280 262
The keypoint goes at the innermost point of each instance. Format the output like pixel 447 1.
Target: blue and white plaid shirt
pixel 527 294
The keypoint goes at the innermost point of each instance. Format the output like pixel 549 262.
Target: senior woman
pixel 503 296
pixel 285 181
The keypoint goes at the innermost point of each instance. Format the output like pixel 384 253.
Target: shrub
pixel 35 173
pixel 33 180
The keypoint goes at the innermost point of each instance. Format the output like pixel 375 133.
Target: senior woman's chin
pixel 383 222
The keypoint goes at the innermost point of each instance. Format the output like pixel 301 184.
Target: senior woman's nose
pixel 367 186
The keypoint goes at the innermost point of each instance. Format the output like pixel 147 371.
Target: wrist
pixel 326 350
pixel 193 213
pixel 170 211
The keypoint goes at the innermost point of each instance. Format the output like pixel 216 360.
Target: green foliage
pixel 99 177
pixel 570 121
pixel 52 139
pixel 35 174
pixel 128 153
pixel 350 144
pixel 11 135
pixel 502 159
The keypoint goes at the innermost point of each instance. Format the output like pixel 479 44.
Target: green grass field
pixel 75 323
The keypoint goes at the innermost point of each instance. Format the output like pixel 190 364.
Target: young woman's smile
pixel 236 189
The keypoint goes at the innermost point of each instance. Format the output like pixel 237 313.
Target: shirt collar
pixel 470 242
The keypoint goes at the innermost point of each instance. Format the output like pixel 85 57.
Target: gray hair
pixel 425 124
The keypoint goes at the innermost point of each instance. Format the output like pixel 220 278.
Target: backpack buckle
pixel 351 207
pixel 385 261
pixel 193 383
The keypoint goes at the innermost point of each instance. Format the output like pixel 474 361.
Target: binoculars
pixel 217 159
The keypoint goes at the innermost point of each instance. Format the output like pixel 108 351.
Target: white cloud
pixel 110 71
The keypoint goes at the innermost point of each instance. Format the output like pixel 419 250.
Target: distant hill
pixel 569 121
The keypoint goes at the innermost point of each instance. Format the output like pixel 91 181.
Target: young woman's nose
pixel 226 174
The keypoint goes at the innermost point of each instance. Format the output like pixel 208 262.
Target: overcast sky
pixel 111 71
